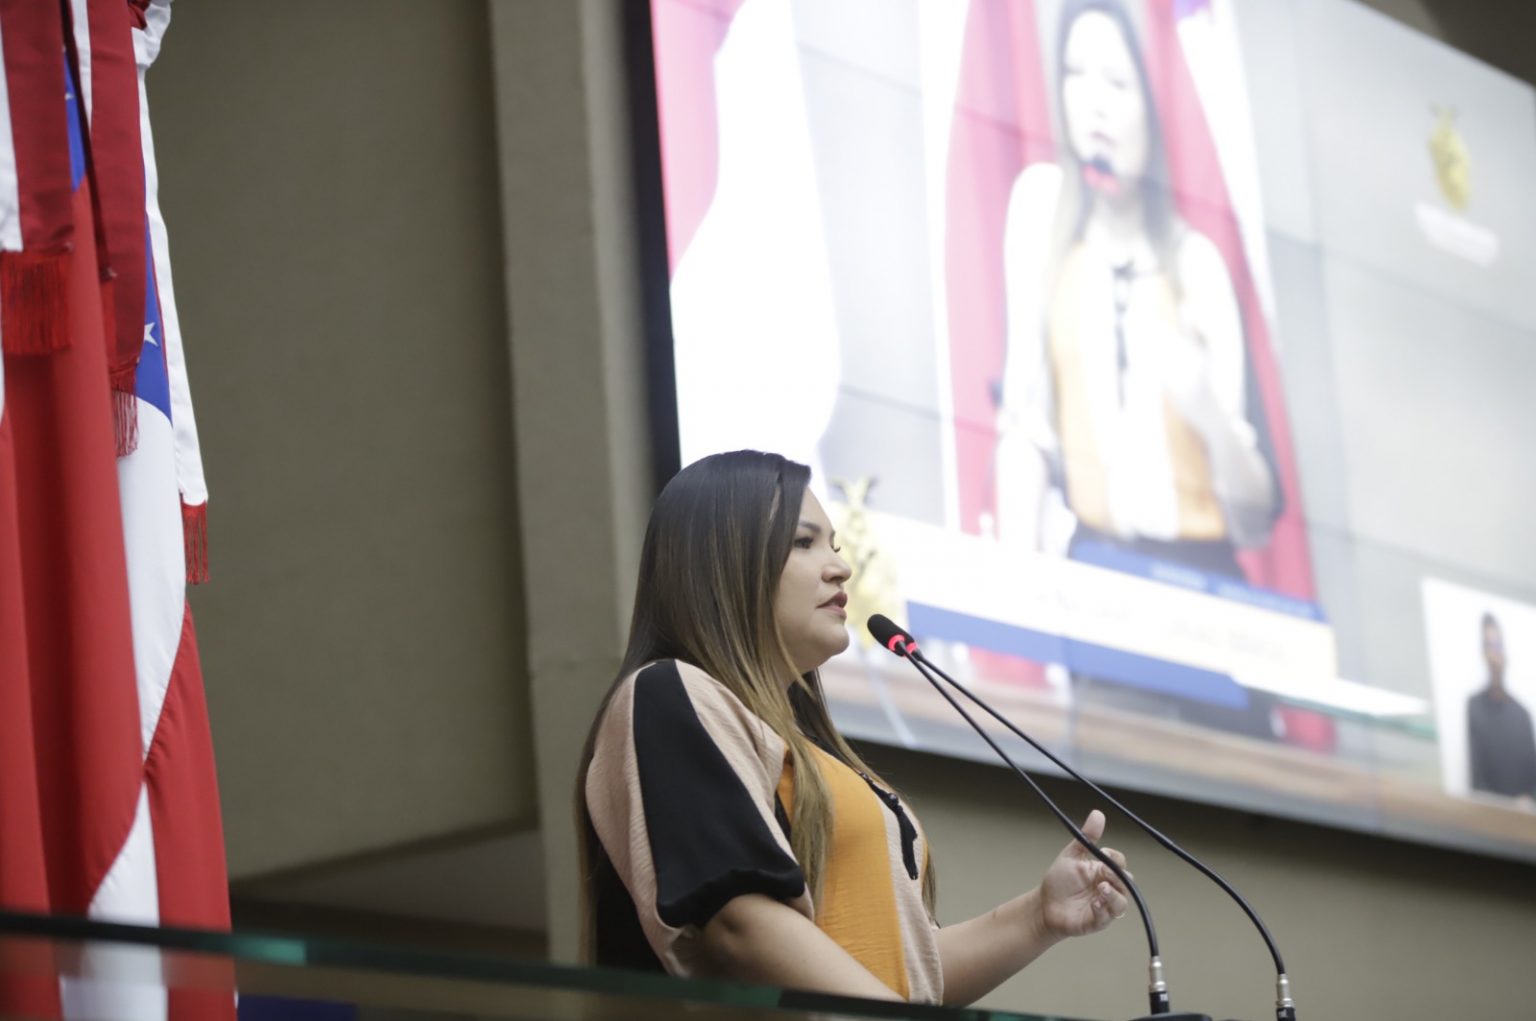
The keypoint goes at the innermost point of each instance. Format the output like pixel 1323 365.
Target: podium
pixel 287 978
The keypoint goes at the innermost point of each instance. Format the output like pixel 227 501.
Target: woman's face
pixel 1105 110
pixel 809 606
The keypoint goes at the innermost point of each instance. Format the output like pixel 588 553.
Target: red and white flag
pixel 74 588
pixel 111 806
pixel 28 990
pixel 164 519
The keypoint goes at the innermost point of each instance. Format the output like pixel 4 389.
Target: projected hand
pixel 1184 362
pixel 1079 894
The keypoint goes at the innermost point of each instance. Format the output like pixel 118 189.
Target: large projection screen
pixel 1165 365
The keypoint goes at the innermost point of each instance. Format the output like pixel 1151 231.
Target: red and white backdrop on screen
pixel 1000 125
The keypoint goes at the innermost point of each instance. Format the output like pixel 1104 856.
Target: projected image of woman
pixel 1125 397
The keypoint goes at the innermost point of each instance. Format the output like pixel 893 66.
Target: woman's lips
pixel 837 604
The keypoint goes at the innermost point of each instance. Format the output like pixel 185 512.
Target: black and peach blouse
pixel 690 794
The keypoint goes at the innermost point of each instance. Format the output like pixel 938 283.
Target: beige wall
pixel 328 173
pixel 405 262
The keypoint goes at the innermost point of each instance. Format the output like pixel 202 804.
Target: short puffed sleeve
pixel 682 794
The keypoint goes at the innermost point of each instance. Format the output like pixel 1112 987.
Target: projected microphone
pixel 899 642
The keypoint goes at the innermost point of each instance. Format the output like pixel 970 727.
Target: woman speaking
pixel 728 829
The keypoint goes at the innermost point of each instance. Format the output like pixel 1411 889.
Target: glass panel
pixel 118 966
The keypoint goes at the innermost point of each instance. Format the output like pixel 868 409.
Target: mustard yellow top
pixel 1091 405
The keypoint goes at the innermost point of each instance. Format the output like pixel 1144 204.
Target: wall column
pixel 578 398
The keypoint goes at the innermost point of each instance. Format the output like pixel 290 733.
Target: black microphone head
pixel 890 635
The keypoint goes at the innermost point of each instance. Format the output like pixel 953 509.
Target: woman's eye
pixel 803 542
pixel 837 549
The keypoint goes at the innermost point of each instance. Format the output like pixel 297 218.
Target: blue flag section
pixel 152 383
pixel 75 117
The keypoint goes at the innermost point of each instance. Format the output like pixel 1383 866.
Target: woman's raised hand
pixel 1079 894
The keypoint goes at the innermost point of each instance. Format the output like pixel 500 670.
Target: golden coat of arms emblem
pixel 1453 164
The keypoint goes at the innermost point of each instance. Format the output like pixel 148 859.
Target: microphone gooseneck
pixel 902 644
pixel 898 641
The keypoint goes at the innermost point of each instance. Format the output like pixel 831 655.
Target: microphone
pixel 902 644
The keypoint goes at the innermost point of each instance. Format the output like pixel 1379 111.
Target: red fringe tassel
pixel 125 419
pixel 34 302
pixel 125 407
pixel 194 530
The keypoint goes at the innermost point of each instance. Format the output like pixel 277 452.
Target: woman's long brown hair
pixel 717 541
